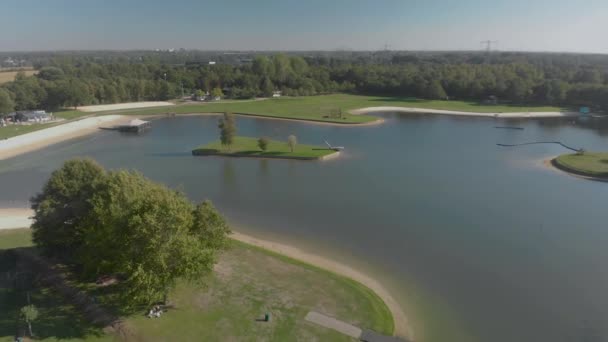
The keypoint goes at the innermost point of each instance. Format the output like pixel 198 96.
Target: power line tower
pixel 387 47
pixel 488 44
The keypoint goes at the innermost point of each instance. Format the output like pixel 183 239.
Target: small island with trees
pixel 230 145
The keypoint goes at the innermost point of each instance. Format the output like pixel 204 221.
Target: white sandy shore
pixel 402 327
pixel 38 139
pixel 368 110
pixel 129 105
pixel 20 218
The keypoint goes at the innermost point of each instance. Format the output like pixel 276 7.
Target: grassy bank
pixel 588 164
pixel 319 108
pixel 248 147
pixel 247 282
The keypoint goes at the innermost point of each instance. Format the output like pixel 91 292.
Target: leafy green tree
pixel 29 314
pixel 227 126
pixel 292 141
pixel 62 208
pixel 217 92
pixel 435 91
pixel 150 235
pixel 263 143
pixel 267 87
pixel 6 102
pixel 51 73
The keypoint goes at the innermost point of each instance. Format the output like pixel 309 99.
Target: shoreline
pixel 401 324
pixel 376 122
pixel 32 141
pixel 413 110
pixel 14 218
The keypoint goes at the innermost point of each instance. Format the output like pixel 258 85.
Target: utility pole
pixel 488 44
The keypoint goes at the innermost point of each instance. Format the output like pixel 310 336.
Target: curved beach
pixel 368 110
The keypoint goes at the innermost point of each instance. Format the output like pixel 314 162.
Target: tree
pixel 292 141
pixel 145 233
pixel 435 91
pixel 217 92
pixel 29 314
pixel 227 126
pixel 263 143
pixel 267 87
pixel 63 206
pixel 51 73
pixel 6 102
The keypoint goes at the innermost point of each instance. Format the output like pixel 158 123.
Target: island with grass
pixel 250 147
pixel 588 164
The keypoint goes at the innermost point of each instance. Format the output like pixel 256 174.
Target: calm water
pixel 478 242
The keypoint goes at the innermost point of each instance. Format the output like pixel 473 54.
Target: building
pixel 276 93
pixel 32 116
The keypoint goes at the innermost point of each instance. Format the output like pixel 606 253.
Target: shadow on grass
pixel 57 319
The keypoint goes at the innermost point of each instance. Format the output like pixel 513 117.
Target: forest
pixel 75 79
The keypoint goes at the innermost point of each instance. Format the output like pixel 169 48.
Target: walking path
pixel 332 323
pixel 38 139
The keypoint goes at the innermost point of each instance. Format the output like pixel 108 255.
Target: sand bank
pixel 368 110
pixel 38 139
pixel 129 105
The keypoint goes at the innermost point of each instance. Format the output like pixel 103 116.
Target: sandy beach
pixel 118 106
pixel 38 139
pixel 368 110
pixel 20 218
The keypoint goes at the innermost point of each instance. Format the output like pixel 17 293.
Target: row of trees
pixel 118 223
pixel 521 78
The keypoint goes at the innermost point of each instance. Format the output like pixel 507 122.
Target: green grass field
pixel 590 163
pixel 319 108
pixel 248 282
pixel 248 147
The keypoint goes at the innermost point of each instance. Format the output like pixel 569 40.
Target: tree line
pixel 567 80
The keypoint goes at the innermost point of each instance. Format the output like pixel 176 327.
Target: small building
pixel 276 93
pixel 31 116
pixel 134 126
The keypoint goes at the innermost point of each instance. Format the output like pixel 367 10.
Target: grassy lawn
pixel 248 147
pixel 591 164
pixel 248 282
pixel 317 108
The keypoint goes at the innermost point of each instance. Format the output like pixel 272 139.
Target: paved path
pixel 332 323
pixel 454 112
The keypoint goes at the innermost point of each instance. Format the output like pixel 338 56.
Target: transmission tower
pixel 488 44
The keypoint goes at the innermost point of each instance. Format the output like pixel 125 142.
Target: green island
pixel 248 147
pixel 589 164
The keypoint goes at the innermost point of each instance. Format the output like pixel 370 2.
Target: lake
pixel 478 242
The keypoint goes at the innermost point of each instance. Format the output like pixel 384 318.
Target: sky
pixel 517 25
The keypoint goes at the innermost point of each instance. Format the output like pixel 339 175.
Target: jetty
pixel 134 126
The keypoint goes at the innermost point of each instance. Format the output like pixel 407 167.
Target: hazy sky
pixel 533 25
